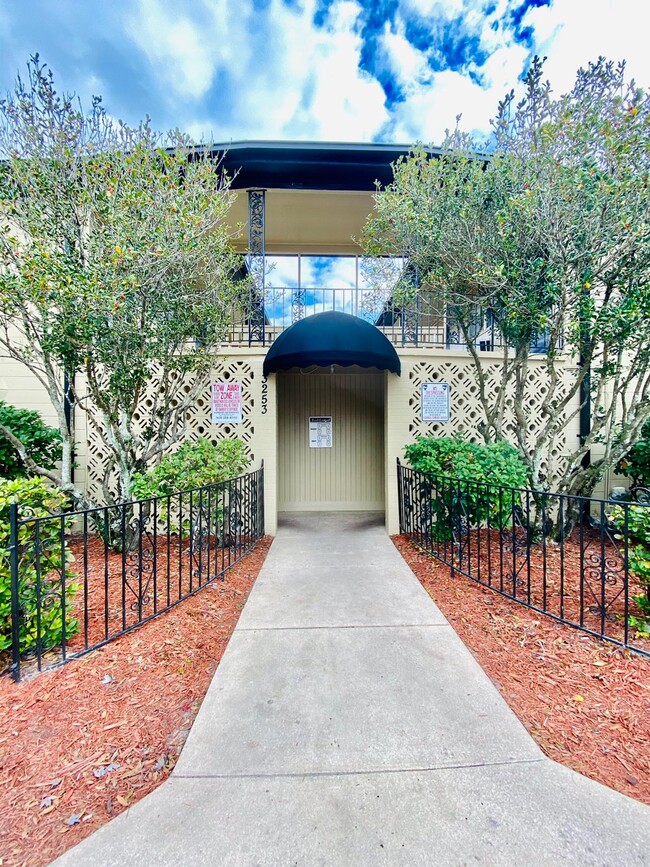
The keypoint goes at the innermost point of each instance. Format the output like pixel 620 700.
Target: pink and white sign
pixel 226 403
pixel 435 401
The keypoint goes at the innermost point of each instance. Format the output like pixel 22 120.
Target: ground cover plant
pixel 450 461
pixel 193 465
pixel 80 743
pixel 636 463
pixel 586 703
pixel 636 525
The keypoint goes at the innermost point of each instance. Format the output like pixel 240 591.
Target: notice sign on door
pixel 435 401
pixel 320 431
pixel 226 403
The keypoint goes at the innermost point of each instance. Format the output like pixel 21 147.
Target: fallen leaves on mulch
pixel 586 703
pixel 80 743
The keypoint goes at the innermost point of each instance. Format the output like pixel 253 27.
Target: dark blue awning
pixel 332 338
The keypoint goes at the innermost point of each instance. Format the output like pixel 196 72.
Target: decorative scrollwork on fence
pixel 140 559
pixel 603 567
pixel 204 527
pixel 515 535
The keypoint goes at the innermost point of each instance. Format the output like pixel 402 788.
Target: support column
pixel 411 308
pixel 257 265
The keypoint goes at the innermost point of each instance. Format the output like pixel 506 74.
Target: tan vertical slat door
pixel 350 474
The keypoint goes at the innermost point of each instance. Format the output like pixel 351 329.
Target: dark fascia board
pixel 309 165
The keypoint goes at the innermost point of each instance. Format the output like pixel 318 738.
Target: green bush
pixel 638 557
pixel 194 465
pixel 451 458
pixel 36 499
pixel 43 443
pixel 636 463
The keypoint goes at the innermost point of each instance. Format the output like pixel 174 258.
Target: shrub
pixel 43 443
pixel 638 557
pixel 636 463
pixel 37 499
pixel 450 461
pixel 194 465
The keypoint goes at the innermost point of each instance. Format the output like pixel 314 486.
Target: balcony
pixel 290 288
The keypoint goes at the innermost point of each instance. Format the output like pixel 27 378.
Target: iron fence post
pixel 400 496
pixel 15 600
pixel 260 495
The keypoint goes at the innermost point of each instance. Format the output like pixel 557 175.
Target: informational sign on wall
pixel 320 431
pixel 435 401
pixel 226 403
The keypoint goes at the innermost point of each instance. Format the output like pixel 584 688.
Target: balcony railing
pixel 403 324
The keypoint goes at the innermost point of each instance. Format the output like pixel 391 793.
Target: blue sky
pixel 335 70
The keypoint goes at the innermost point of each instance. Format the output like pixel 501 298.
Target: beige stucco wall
pixel 258 429
pixel 403 422
pixel 389 429
pixel 307 221
pixel 20 387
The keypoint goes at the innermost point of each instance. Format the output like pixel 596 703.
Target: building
pixel 329 405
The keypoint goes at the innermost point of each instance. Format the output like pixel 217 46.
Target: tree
pixel 549 236
pixel 117 271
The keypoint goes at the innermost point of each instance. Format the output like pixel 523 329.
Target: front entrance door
pixel 349 474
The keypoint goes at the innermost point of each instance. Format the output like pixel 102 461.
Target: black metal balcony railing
pixel 403 324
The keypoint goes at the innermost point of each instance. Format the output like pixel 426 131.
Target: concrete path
pixel 348 725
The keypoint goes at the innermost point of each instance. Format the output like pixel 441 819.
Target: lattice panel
pixel 198 418
pixel 466 410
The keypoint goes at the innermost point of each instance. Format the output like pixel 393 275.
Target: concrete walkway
pixel 348 725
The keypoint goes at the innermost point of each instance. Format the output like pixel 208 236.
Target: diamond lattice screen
pixel 199 423
pixel 466 411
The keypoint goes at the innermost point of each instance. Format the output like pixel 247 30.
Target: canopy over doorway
pixel 332 338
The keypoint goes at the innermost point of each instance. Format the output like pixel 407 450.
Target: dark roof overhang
pixel 332 338
pixel 310 165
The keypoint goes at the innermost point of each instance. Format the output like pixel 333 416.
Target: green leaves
pixel 116 260
pixel 548 239
pixel 194 465
pixel 636 463
pixel 42 564
pixel 43 443
pixel 450 461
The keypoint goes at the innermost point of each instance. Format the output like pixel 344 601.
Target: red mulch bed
pixel 585 702
pixel 547 576
pixel 80 743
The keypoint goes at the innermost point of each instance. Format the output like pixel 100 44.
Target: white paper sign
pixel 435 401
pixel 226 403
pixel 320 431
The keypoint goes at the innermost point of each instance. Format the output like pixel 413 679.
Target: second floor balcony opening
pixel 289 287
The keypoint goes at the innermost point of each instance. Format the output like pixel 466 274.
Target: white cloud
pixel 573 32
pixel 408 64
pixel 307 84
pixel 433 99
pixel 433 108
pixel 175 47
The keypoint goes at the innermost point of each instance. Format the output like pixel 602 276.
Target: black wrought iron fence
pixel 81 579
pixel 567 557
